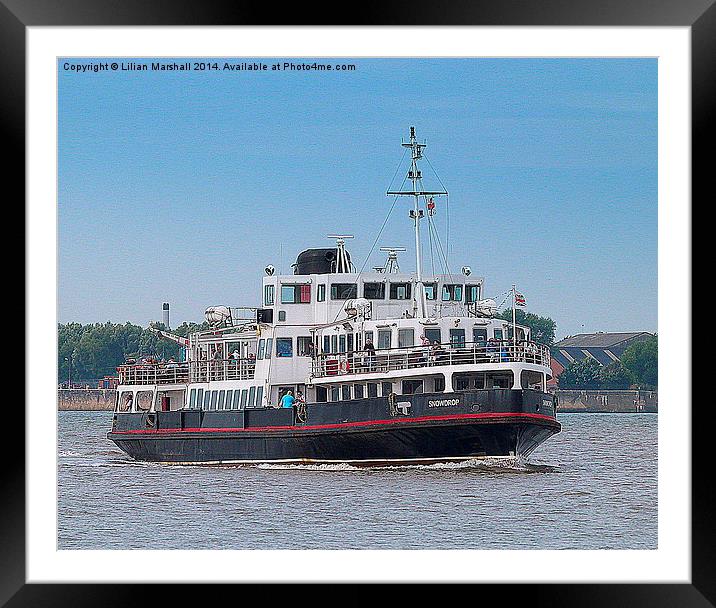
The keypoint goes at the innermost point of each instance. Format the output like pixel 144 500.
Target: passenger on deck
pixel 288 399
pixel 370 351
pixel 171 362
pixel 438 353
pixel 235 356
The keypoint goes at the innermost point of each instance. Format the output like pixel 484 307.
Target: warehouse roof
pixel 600 339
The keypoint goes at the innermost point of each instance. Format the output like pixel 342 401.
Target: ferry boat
pixel 386 367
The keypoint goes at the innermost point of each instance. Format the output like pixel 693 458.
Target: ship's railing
pixel 191 371
pixel 390 359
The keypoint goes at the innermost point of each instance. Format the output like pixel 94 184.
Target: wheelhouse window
pixel 406 338
pixel 374 291
pixel 433 335
pixel 284 347
pixel 269 291
pixel 303 346
pixel 384 336
pixel 472 293
pixel 295 294
pixel 262 348
pixel 452 293
pixel 479 336
pixel 343 291
pixel 457 338
pixel 321 295
pixel 431 291
pixel 400 291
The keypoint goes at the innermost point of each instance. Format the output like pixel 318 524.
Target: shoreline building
pixel 603 347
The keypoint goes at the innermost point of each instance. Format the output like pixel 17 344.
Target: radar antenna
pixel 391 264
pixel 343 262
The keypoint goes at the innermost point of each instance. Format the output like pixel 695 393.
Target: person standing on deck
pixel 288 399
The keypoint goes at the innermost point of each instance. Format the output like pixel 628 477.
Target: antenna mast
pixel 416 213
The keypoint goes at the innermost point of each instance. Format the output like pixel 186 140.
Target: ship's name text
pixel 444 403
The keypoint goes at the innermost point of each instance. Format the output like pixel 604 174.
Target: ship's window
pixel 400 291
pixel 244 397
pixel 372 389
pixel 431 291
pixel 386 388
pixel 480 381
pixel 269 347
pixel 207 399
pixel 384 338
pixel 334 393
pixel 321 394
pixel 192 397
pixel 342 343
pixel 374 291
pixel 295 294
pixel 262 348
pixel 144 400
pixel 457 338
pixel 252 396
pixel 412 387
pixel 281 315
pixel 214 399
pixel 326 344
pixel 229 396
pixel 452 293
pixel 199 397
pixel 406 338
pixel 433 335
pixel 237 399
pixel 501 380
pixel 472 293
pixel 346 392
pixel 439 384
pixel 498 334
pixel 479 336
pixel 369 336
pixel 531 379
pixel 222 398
pixel 321 296
pixel 461 383
pixel 349 338
pixel 284 347
pixel 334 343
pixel 259 395
pixel 303 344
pixel 269 291
pixel 358 391
pixel 343 291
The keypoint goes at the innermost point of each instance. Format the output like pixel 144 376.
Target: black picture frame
pixel 699 15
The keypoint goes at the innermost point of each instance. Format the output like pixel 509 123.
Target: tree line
pixel 92 351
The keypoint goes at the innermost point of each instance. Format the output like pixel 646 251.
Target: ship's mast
pixel 416 213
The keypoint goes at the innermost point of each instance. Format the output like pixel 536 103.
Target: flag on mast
pixel 520 299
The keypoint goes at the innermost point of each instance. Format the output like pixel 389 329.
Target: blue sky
pixel 181 187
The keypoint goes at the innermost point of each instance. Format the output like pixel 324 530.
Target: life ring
pixel 345 366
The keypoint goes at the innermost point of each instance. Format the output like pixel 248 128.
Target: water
pixel 593 486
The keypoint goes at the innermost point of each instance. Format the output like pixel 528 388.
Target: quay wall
pixel 87 399
pixel 569 401
pixel 607 401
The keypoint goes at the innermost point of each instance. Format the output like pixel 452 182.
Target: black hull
pixel 437 427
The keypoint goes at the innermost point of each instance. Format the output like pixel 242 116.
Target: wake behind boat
pixel 339 365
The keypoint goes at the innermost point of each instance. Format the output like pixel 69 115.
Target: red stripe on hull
pixel 341 424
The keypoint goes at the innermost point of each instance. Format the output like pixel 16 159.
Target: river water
pixel 593 486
